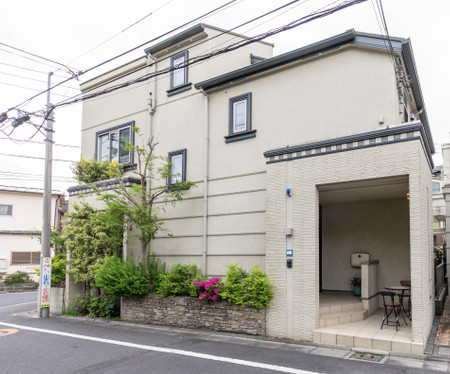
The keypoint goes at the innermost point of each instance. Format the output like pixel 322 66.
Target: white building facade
pixel 318 153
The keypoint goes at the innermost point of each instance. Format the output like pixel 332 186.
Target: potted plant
pixel 356 283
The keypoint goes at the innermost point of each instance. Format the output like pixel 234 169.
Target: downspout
pixel 205 184
pixel 151 107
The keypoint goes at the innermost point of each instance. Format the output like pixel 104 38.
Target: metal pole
pixel 47 198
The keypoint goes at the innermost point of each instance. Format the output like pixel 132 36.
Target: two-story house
pixel 20 227
pixel 302 161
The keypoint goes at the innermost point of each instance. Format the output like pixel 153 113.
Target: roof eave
pixel 274 62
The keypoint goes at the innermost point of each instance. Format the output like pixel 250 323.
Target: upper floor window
pixel 112 144
pixel 5 210
pixel 179 73
pixel 177 170
pixel 436 187
pixel 239 118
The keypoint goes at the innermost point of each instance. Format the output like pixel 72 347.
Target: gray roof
pixel 399 45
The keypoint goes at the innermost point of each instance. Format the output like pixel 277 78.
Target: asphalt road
pixel 77 345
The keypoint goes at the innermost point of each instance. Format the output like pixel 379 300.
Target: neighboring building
pixel 446 193
pixel 438 207
pixel 325 151
pixel 20 227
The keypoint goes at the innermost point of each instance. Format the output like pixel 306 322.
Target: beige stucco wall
pixel 294 311
pixel 380 228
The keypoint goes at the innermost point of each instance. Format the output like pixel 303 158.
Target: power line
pixel 28 88
pixel 33 70
pixel 34 157
pixel 38 142
pixel 231 47
pixel 34 79
pixel 125 29
pixel 129 51
pixel 38 56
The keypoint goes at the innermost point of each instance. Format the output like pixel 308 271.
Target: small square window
pixel 177 168
pixel 179 74
pixel 112 144
pixel 240 115
pixel 6 210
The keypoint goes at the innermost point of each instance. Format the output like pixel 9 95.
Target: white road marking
pixel 10 306
pixel 204 356
pixel 17 293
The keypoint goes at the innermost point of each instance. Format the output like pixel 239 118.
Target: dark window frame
pixel 181 152
pixel 110 130
pixel 248 132
pixel 182 86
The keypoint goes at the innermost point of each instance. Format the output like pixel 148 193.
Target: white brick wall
pixel 302 294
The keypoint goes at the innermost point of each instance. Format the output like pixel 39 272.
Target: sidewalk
pixel 438 346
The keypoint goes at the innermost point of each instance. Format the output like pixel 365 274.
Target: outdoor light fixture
pixel 288 192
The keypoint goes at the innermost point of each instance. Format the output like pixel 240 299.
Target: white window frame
pixel 175 61
pixel 181 176
pixel 236 129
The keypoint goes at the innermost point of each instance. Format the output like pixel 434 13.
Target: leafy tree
pixel 91 235
pixel 137 204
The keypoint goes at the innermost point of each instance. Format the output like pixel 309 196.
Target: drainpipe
pixel 205 184
pixel 151 107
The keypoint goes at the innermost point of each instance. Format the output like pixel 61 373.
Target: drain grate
pixel 367 357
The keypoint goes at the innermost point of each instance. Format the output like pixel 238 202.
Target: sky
pixel 78 35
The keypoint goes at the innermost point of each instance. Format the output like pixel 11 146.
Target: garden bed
pixel 190 312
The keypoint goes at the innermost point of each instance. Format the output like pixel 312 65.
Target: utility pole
pixel 45 268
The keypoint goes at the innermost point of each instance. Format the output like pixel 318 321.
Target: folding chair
pixel 390 305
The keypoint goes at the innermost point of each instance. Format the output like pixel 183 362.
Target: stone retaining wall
pixel 18 287
pixel 190 312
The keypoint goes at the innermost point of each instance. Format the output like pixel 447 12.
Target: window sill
pixel 240 136
pixel 179 89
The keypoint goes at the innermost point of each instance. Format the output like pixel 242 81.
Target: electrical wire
pixel 34 79
pixel 231 47
pixel 34 157
pixel 30 89
pixel 71 70
pixel 127 52
pixel 33 70
pixel 38 142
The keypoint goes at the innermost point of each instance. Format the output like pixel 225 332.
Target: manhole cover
pixel 367 357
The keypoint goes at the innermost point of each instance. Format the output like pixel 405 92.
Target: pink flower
pixel 76 308
pixel 216 290
pixel 214 298
pixel 194 282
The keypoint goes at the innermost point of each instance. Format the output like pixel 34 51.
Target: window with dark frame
pixel 6 210
pixel 112 144
pixel 179 73
pixel 239 118
pixel 177 169
pixel 25 258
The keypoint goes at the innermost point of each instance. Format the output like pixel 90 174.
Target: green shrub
pixel 178 281
pixel 90 171
pixel 155 268
pixel 17 277
pixel 102 306
pixel 252 289
pixel 121 278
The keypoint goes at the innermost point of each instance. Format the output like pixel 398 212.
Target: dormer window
pixel 179 74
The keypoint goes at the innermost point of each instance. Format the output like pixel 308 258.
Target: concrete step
pixel 332 319
pixel 339 308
